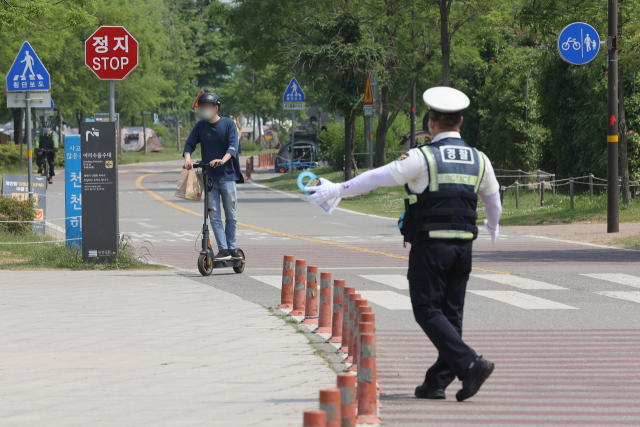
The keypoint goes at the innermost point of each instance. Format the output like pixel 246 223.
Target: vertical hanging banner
pixel 99 172
pixel 73 190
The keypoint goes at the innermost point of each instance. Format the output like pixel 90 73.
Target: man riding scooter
pixel 46 144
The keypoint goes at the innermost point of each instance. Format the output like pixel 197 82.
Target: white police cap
pixel 445 99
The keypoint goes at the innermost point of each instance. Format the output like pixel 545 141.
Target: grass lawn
pixel 389 202
pixel 170 153
pixel 17 256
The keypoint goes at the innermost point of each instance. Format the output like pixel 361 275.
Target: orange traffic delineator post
pixel 352 311
pixel 367 326
pixel 367 397
pixel 299 282
pixel 360 310
pixel 348 290
pixel 311 302
pixel 286 295
pixel 347 387
pixel 336 323
pixel 314 418
pixel 324 316
pixel 330 403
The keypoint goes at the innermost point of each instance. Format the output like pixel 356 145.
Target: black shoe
pixel 50 180
pixel 234 254
pixel 478 372
pixel 424 392
pixel 223 255
pixel 39 171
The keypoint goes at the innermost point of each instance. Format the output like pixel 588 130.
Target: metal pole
pixel 612 125
pixel 590 185
pixel 542 193
pixel 526 105
pixel 112 101
pixel 371 144
pixel 144 133
pixel 29 145
pixel 293 135
pixel 412 143
pixel 571 193
pixel 19 135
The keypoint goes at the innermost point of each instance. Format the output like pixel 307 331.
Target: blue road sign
pixel 46 108
pixel 73 189
pixel 27 72
pixel 294 92
pixel 578 43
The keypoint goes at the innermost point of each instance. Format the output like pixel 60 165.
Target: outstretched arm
pixel 367 181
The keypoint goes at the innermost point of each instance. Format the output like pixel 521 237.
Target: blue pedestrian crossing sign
pixel 578 43
pixel 27 72
pixel 294 92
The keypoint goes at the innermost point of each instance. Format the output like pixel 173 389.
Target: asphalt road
pixel 559 319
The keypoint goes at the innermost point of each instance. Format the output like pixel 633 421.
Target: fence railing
pixel 545 179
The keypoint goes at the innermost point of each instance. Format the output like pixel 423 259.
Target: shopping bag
pixel 190 185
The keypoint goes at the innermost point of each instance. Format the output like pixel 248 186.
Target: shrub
pixel 15 210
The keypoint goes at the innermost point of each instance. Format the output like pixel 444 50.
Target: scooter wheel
pixel 241 268
pixel 205 265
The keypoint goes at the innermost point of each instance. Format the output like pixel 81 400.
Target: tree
pixel 50 14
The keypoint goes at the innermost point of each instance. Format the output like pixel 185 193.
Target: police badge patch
pixel 404 156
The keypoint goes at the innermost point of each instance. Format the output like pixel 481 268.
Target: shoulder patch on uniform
pixel 404 156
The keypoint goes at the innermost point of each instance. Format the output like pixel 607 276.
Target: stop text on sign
pixel 111 53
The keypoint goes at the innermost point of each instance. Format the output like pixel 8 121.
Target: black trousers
pixel 51 157
pixel 438 274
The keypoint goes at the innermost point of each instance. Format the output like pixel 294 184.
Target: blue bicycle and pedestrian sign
pixel 578 43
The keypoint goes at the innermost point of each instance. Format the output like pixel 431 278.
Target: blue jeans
pixel 225 236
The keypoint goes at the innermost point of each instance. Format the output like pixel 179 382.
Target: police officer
pixel 443 180
pixel 45 139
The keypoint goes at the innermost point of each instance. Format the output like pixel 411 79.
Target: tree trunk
pixel 259 127
pixel 60 127
pixel 381 132
pixel 18 116
pixel 622 124
pixel 347 148
pixel 445 44
pixel 79 117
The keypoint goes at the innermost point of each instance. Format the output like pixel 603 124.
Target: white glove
pixel 492 232
pixel 324 192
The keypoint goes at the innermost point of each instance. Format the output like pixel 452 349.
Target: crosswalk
pixel 484 285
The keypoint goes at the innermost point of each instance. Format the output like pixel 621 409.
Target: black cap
pixel 209 98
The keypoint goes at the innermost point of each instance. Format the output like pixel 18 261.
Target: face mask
pixel 46 130
pixel 207 114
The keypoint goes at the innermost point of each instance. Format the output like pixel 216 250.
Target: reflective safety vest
pixel 447 207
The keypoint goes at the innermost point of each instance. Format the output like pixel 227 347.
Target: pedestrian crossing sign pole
pixel 27 74
pixel 293 99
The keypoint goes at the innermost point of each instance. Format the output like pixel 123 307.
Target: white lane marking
pixel 633 296
pixel 623 279
pixel 146 225
pixel 528 302
pixel 275 281
pixel 516 281
pixel 394 280
pixel 387 299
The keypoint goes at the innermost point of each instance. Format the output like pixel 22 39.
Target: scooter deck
pixel 228 263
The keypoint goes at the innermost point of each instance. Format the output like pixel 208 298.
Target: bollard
pixel 314 418
pixel 352 311
pixel 286 295
pixel 571 192
pixel 330 403
pixel 311 302
pixel 367 326
pixel 367 397
pixel 360 310
pixel 542 193
pixel 324 318
pixel 249 167
pixel 517 194
pixel 590 185
pixel 345 319
pixel 338 311
pixel 347 387
pixel 298 288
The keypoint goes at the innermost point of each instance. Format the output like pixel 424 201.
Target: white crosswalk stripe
pixel 623 279
pixel 633 296
pixel 518 299
pixel 275 281
pixel 388 299
pixel 517 281
pixel 397 281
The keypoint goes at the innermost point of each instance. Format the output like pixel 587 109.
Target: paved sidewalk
pixel 147 348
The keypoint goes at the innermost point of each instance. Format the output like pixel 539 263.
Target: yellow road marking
pixel 278 233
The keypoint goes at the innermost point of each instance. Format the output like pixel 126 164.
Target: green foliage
pixel 9 155
pixel 15 210
pixel 19 14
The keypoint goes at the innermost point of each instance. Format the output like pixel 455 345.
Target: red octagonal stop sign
pixel 111 53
